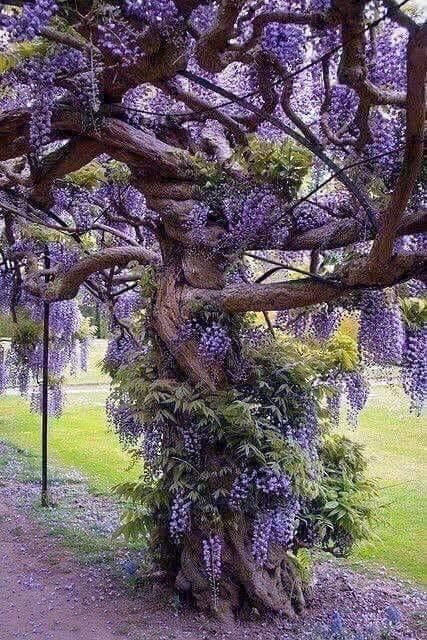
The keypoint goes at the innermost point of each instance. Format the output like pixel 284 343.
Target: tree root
pixel 275 588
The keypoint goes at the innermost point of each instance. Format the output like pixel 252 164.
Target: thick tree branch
pixel 277 296
pixel 414 148
pixel 353 69
pixel 341 233
pixel 212 45
pixel 123 141
pixel 66 286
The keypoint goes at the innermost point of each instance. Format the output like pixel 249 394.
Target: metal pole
pixel 45 391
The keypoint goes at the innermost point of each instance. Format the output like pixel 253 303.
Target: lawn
pixel 80 438
pixel 395 443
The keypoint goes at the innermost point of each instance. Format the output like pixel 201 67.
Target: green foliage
pixel 92 175
pixel 89 177
pixel 118 172
pixel 143 498
pixel 341 353
pixel 6 326
pixel 414 311
pixel 347 504
pixel 26 332
pixel 148 282
pixel 241 423
pixel 284 163
pixel 18 52
pixel 244 429
pixel 211 172
pixel 302 561
pixel 43 234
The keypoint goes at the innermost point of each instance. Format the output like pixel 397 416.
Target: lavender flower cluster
pixel 180 517
pixel 275 525
pixel 3 370
pixel 152 443
pixel 55 400
pixel 120 41
pixel 381 332
pixel 357 395
pixel 414 369
pixel 192 438
pixel 161 13
pixel 252 215
pixel 119 350
pixel 214 344
pixel 122 416
pixel 41 78
pixel 34 17
pixel 212 548
pixel 286 42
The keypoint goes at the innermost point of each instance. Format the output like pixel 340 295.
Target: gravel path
pixel 44 594
pixel 48 593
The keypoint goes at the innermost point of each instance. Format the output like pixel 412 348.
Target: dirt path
pixel 46 593
pixel 43 594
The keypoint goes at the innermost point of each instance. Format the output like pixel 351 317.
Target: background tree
pixel 154 152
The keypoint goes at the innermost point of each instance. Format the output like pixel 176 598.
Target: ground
pixel 63 576
pixel 52 593
pixel 395 443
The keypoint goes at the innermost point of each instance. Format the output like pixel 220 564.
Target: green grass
pixel 79 438
pixel 395 442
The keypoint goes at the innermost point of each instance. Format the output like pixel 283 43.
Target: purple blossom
pixel 120 40
pixel 121 414
pixel 271 483
pixel 55 400
pixel 212 548
pixel 84 353
pixel 3 370
pixel 180 516
pixel 161 13
pixel 240 488
pixel 414 367
pixel 261 537
pixel 34 17
pixel 381 332
pixel 357 395
pixel 214 344
pixel 152 443
pixel 252 215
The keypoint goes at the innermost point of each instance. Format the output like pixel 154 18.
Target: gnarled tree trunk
pixel 275 587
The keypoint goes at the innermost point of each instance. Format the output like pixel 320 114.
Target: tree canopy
pixel 184 163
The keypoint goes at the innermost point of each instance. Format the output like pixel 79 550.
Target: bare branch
pixel 66 286
pixel 238 298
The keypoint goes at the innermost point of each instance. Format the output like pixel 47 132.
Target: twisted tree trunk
pixel 276 587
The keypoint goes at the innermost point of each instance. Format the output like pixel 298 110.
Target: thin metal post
pixel 45 392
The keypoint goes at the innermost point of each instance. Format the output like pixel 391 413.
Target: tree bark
pixel 275 587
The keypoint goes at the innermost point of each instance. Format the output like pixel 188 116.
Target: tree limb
pixel 276 296
pixel 65 286
pixel 414 147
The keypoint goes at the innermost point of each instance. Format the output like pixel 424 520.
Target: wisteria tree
pixel 187 164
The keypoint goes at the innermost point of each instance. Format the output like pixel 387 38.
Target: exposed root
pixel 274 588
